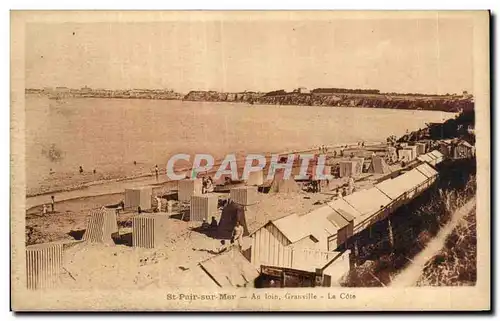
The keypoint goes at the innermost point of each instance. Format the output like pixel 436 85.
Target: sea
pixel 106 134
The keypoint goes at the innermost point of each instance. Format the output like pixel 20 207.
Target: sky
pixel 392 55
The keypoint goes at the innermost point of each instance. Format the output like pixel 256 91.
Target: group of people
pixel 347 190
pixel 212 226
pixel 236 237
pixel 207 185
pixel 323 149
pixel 80 170
pixel 316 186
pixel 52 206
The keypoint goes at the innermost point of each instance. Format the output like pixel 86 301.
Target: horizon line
pixel 252 91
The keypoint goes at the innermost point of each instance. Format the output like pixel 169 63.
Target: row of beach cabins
pixel 312 249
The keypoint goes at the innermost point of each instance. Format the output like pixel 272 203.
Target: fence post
pixel 391 236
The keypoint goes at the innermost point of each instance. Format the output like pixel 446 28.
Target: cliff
pixel 327 97
pixel 393 101
pixel 462 126
pixel 247 97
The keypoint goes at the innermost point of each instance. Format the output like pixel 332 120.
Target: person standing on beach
pixel 203 185
pixel 52 203
pixel 350 184
pixel 157 172
pixel 210 185
pixel 81 170
pixel 158 203
pixel 238 235
pixel 44 210
pixel 121 206
pixel 213 223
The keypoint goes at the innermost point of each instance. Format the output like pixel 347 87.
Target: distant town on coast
pixel 328 97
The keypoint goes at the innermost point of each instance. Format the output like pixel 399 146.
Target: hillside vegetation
pixel 365 99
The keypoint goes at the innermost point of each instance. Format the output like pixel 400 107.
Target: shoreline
pixel 139 177
pixel 447 103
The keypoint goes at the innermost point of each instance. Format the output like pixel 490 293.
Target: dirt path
pixel 410 275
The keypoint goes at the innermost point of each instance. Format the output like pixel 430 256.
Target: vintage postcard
pixel 250 161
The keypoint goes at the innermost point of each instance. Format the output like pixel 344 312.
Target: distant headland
pixel 327 97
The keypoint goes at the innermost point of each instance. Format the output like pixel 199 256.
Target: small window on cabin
pixel 315 240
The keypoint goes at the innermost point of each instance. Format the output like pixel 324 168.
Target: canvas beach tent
pixel 231 214
pixel 379 166
pixel 282 185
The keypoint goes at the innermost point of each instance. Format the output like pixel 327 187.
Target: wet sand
pixel 113 186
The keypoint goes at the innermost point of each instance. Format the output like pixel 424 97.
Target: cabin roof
pixel 464 143
pixel 425 158
pixel 427 170
pixel 230 269
pixel 396 187
pixel 337 219
pixel 315 223
pixel 439 156
pixel 368 201
pixel 291 227
pixel 344 209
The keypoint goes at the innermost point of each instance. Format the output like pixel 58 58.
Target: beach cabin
pixel 404 188
pixel 203 207
pixel 148 230
pixel 349 167
pixel 343 216
pixel 243 195
pixel 421 148
pixel 140 196
pixel 360 161
pixel 44 263
pixel 326 276
pixel 446 147
pixel 414 151
pixel 100 226
pixel 405 155
pixel 187 188
pixel 412 154
pixel 463 150
pixel 282 243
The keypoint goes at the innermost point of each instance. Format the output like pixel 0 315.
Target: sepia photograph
pixel 246 160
